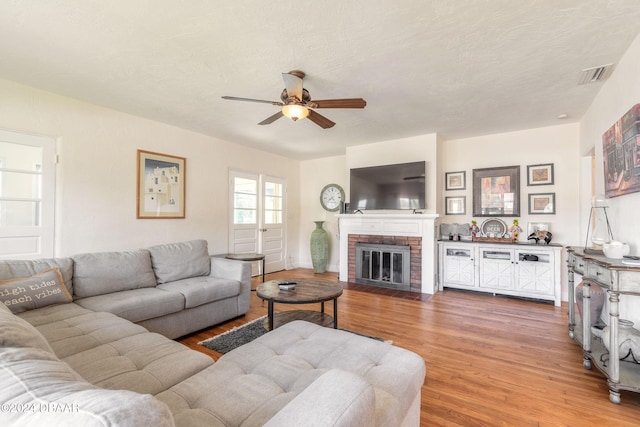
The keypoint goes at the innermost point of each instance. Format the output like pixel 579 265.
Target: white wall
pixel 96 194
pixel 314 175
pixel 618 94
pixel 556 144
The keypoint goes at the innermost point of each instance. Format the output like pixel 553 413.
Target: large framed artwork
pixel 161 185
pixel 496 191
pixel 621 152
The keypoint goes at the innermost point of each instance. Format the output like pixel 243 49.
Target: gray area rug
pixel 243 334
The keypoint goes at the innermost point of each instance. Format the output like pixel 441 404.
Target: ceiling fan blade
pixel 320 120
pixel 339 103
pixel 272 119
pixel 235 98
pixel 293 83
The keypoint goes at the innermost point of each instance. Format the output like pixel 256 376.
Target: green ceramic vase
pixel 319 248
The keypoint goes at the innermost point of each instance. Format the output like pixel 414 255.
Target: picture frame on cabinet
pixel 532 227
pixel 542 203
pixel 496 191
pixel 455 205
pixel 160 186
pixel 455 180
pixel 540 174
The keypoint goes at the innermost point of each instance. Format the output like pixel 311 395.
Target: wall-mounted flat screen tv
pixel 397 186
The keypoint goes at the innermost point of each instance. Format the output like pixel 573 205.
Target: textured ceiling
pixel 459 68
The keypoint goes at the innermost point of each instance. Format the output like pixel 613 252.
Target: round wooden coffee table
pixel 307 291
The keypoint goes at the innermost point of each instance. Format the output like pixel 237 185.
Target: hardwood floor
pixel 491 360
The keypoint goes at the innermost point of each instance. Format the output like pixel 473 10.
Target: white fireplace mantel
pixel 414 225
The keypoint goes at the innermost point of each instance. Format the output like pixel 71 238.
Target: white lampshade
pixel 295 111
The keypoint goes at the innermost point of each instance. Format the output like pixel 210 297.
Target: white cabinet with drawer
pixel 524 270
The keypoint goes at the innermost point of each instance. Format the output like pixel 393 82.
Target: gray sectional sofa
pixel 93 360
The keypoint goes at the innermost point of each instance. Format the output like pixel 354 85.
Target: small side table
pixel 252 256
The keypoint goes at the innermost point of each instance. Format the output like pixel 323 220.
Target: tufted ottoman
pixel 304 367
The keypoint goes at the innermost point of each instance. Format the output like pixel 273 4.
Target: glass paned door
pixel 257 225
pixel 27 187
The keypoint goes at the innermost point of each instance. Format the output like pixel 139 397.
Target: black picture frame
pixel 540 174
pixel 542 203
pixel 496 191
pixel 455 205
pixel 455 180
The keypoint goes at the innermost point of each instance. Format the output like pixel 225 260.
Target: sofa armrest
pixel 230 269
pixel 337 398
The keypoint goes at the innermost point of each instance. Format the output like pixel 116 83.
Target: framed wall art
pixel 542 203
pixel 496 191
pixel 455 205
pixel 540 174
pixel 455 180
pixel 621 153
pixel 160 186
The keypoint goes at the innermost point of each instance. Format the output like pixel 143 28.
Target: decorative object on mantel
pixel 319 248
pixel 628 339
pixel 493 230
pixel 602 229
pixel 620 151
pixel 496 191
pixel 543 235
pixel 596 304
pixel 515 230
pixel 540 174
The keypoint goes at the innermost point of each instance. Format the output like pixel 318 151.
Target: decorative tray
pixel 494 239
pixel 493 228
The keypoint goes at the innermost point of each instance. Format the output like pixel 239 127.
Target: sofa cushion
pixel 43 289
pixel 106 272
pixel 177 261
pixel 11 269
pixel 203 289
pixel 137 304
pixel 250 384
pixel 71 329
pixel 17 332
pixel 51 393
pixel 144 363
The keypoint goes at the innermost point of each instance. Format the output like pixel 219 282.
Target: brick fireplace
pixel 414 230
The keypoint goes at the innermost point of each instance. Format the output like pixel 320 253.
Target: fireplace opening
pixel 383 265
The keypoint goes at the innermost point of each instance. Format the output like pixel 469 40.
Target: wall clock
pixel 331 197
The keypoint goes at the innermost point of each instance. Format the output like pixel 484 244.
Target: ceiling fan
pixel 297 103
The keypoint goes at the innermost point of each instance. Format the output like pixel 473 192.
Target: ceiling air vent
pixel 595 74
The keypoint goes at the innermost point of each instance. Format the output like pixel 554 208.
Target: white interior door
pixel 273 230
pixel 257 205
pixel 27 189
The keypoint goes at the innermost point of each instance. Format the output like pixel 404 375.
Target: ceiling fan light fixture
pixel 295 111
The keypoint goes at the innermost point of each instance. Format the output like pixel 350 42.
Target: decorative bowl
pixel 615 249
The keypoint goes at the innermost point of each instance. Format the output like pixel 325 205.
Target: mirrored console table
pixel 619 280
